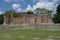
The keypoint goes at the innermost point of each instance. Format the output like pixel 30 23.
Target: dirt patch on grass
pixel 36 38
pixel 22 36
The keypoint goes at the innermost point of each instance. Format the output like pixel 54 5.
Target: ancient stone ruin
pixel 22 18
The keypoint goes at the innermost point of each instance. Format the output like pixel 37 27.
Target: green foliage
pixel 56 17
pixel 41 10
pixel 9 11
pixel 29 12
pixel 1 18
pixel 58 9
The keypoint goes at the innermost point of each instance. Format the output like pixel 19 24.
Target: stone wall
pixel 27 19
pixel 31 26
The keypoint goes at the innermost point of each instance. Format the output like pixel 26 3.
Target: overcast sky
pixel 24 5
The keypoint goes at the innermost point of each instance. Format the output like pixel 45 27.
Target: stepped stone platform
pixel 30 26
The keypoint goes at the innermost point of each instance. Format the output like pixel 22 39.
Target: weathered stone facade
pixel 22 18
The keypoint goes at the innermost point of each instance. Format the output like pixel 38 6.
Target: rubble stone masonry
pixel 22 18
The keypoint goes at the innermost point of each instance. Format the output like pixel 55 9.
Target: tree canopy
pixel 41 10
pixel 1 18
pixel 10 11
pixel 29 12
pixel 56 17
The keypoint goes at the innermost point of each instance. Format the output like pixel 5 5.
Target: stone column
pixel 4 20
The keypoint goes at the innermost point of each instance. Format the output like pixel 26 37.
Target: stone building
pixel 22 18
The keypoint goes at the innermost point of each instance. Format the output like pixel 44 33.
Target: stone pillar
pixel 24 19
pixel 38 19
pixel 12 19
pixel 4 20
pixel 50 17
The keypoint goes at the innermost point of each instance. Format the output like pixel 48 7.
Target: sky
pixel 24 5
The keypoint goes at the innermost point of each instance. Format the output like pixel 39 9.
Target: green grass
pixel 12 34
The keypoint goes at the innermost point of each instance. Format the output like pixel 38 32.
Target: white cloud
pixel 50 5
pixel 45 0
pixel 47 5
pixel 24 10
pixel 54 9
pixel 16 6
pixel 29 8
pixel 1 12
pixel 43 4
pixel 54 1
pixel 8 0
pixel 19 10
pixel 14 0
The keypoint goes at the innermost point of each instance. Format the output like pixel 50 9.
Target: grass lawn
pixel 28 34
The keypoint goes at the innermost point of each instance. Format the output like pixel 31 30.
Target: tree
pixel 41 10
pixel 56 17
pixel 29 12
pixel 37 11
pixel 1 18
pixel 58 9
pixel 10 11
